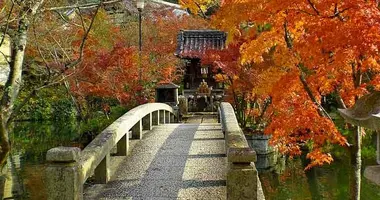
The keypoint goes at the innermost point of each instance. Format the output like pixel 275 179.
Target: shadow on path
pixel 171 163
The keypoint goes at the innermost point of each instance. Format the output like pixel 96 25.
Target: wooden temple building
pixel 202 92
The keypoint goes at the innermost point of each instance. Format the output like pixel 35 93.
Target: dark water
pixel 329 182
pixel 30 142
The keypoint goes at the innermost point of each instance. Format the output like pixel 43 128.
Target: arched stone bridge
pixel 145 154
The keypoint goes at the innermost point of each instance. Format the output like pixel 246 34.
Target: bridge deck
pixel 173 161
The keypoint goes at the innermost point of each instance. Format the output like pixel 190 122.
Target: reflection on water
pixel 327 182
pixel 25 167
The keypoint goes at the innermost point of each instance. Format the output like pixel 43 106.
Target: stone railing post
pixel 219 115
pixel 102 174
pixel 162 116
pixel 242 179
pixel 123 145
pixel 137 130
pixel 378 147
pixel 156 118
pixel 63 174
pixel 167 117
pixel 147 122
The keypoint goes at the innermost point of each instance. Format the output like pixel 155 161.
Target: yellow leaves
pixel 267 80
pixel 372 64
pixel 220 78
pixel 253 50
pixel 198 6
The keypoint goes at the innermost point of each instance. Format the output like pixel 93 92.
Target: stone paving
pixel 173 161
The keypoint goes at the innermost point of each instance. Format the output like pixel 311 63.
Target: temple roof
pixel 194 43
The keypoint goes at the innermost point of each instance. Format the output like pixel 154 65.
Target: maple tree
pixel 112 72
pixel 319 48
pixel 241 81
pixel 44 24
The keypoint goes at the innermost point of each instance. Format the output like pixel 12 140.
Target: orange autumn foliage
pixel 318 48
pixel 111 66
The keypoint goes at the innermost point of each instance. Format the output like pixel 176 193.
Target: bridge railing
pixel 242 178
pixel 69 167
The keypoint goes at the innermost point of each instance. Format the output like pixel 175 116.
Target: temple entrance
pixel 202 92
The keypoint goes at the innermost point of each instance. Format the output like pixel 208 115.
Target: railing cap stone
pixel 241 155
pixel 63 154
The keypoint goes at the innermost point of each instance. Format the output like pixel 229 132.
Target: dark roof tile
pixel 194 43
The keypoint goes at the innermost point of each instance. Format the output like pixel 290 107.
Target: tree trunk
pixel 356 163
pixel 311 176
pixel 12 86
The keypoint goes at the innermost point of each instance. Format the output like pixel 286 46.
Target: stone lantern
pixel 366 113
pixel 167 93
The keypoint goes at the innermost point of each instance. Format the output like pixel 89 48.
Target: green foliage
pixel 62 109
pixel 49 104
pixel 33 139
pixel 99 122
pixel 37 109
pixel 369 148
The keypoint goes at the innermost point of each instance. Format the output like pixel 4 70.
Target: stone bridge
pixel 147 154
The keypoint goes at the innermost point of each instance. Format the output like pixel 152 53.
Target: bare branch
pixel 41 54
pixel 321 110
pixel 83 6
pixel 81 48
pixel 306 87
pixel 64 19
pixel 5 58
pixel 313 6
pixel 339 99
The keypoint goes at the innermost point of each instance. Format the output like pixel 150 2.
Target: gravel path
pixel 173 161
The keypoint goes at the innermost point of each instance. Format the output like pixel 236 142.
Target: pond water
pixel 25 166
pixel 326 182
pixel 31 140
